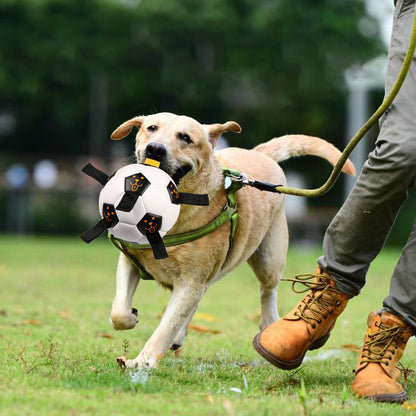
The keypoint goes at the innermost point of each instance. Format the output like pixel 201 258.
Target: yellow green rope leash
pixel 363 130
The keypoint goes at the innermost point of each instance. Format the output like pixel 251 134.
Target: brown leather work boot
pixel 377 376
pixel 307 326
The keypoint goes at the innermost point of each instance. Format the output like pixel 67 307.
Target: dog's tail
pixel 285 147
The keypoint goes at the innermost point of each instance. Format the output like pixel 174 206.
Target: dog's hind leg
pixel 180 336
pixel 123 316
pixel 268 263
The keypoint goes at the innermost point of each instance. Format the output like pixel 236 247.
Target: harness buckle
pixel 234 176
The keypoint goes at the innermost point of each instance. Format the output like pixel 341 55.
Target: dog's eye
pixel 185 138
pixel 152 128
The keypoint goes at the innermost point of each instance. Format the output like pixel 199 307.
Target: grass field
pixel 58 351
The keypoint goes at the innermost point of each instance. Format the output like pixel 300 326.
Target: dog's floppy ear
pixel 124 129
pixel 215 130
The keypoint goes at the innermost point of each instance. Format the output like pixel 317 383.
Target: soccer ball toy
pixel 139 204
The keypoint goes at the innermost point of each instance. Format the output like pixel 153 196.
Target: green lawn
pixel 58 351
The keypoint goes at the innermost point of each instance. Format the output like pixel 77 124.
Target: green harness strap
pixel 233 181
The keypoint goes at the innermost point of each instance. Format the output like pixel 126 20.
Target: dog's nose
pixel 156 151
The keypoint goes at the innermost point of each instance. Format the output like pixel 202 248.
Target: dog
pixel 185 149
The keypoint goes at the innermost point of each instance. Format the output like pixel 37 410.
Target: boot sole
pixel 282 364
pixel 389 398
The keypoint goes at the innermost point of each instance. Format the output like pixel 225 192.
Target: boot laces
pixel 321 300
pixel 385 340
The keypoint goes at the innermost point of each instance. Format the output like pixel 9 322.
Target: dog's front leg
pixel 123 316
pixel 183 302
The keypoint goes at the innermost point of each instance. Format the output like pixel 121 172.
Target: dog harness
pixel 233 181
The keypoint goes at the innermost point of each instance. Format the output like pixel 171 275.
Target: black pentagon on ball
pixel 136 183
pixel 149 224
pixel 109 215
pixel 173 193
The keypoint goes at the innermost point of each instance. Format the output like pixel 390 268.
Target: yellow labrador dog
pixel 186 149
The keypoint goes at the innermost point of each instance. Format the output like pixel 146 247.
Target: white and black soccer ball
pixel 138 200
pixel 139 204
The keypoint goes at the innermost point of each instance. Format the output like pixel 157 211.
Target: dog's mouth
pixel 180 173
pixel 172 169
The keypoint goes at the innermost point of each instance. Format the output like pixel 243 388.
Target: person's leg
pixel 377 376
pixel 359 230
pixel 402 298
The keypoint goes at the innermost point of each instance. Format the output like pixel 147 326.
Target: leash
pixel 361 132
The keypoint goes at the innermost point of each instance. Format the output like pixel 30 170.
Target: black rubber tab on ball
pixel 109 220
pixel 128 201
pixel 158 246
pixel 109 215
pixel 95 173
pixel 173 193
pixel 149 226
pixel 95 231
pixel 193 199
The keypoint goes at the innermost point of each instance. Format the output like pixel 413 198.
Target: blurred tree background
pixel 72 71
pixel 275 66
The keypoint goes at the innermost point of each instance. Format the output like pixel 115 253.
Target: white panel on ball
pixel 170 217
pixel 128 233
pixel 156 199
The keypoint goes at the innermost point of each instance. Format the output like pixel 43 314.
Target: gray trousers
pixel 359 230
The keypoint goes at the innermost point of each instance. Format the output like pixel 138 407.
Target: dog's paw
pixel 175 346
pixel 131 363
pixel 121 321
pixel 143 361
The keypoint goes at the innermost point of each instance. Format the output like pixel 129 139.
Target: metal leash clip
pixel 233 176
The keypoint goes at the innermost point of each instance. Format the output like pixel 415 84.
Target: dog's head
pixel 179 143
